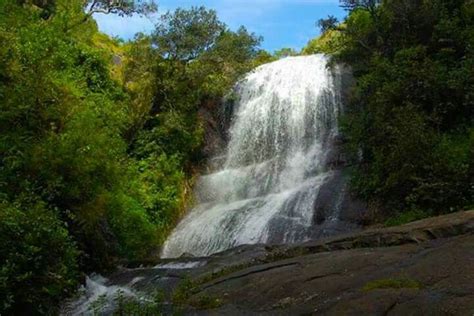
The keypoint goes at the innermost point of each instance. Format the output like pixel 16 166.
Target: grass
pixel 132 306
pixel 406 217
pixel 205 302
pixel 185 289
pixel 182 296
pixel 404 283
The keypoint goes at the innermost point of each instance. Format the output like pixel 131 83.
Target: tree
pixel 352 5
pixel 64 170
pixel 368 5
pixel 95 162
pixel 39 260
pixel 120 7
pixel 409 123
pixel 330 23
pixel 230 57
pixel 185 34
pixel 285 52
pixel 262 57
pixel 240 46
pixel 91 7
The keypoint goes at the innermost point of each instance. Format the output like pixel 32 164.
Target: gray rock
pixel 422 268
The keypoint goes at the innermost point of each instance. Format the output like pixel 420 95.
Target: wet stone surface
pixel 422 268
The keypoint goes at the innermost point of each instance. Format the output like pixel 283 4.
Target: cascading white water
pixel 282 127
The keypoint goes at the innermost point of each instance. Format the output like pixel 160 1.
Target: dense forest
pixel 410 122
pixel 101 139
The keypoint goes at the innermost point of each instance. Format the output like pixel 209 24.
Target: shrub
pixel 135 234
pixel 406 217
pixel 38 260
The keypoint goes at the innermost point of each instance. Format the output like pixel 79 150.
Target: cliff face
pixel 422 268
pixel 215 116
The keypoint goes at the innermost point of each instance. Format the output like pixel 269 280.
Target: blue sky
pixel 282 23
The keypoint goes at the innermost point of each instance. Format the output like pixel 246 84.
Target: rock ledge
pixel 422 268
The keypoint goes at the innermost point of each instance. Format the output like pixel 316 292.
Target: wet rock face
pixel 422 268
pixel 335 197
pixel 433 278
pixel 216 118
pixel 214 138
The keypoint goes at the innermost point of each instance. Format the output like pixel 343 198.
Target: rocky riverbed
pixel 422 268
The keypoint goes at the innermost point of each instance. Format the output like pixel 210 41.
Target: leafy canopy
pixel 327 24
pixel 100 139
pixel 185 34
pixel 410 121
pixel 120 7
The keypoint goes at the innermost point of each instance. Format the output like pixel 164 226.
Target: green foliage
pixel 171 132
pixel 38 259
pixel 99 138
pixel 149 305
pixel 183 292
pixel 183 297
pixel 285 52
pixel 62 124
pixel 206 302
pixel 131 306
pixel 185 34
pixel 410 120
pixel 191 59
pixel 125 216
pixel 120 7
pixel 138 76
pixel 161 188
pixel 329 42
pixel 231 56
pixel 393 284
pixel 327 24
pixel 262 57
pixel 406 217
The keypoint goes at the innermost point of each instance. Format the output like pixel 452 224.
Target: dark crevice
pixel 390 308
pixel 322 276
pixel 250 273
pixel 174 276
pixel 430 234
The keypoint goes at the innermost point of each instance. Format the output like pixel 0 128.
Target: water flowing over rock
pixel 422 268
pixel 283 130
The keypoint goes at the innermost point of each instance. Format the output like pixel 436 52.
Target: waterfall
pixel 283 126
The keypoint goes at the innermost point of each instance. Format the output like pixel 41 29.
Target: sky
pixel 282 23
